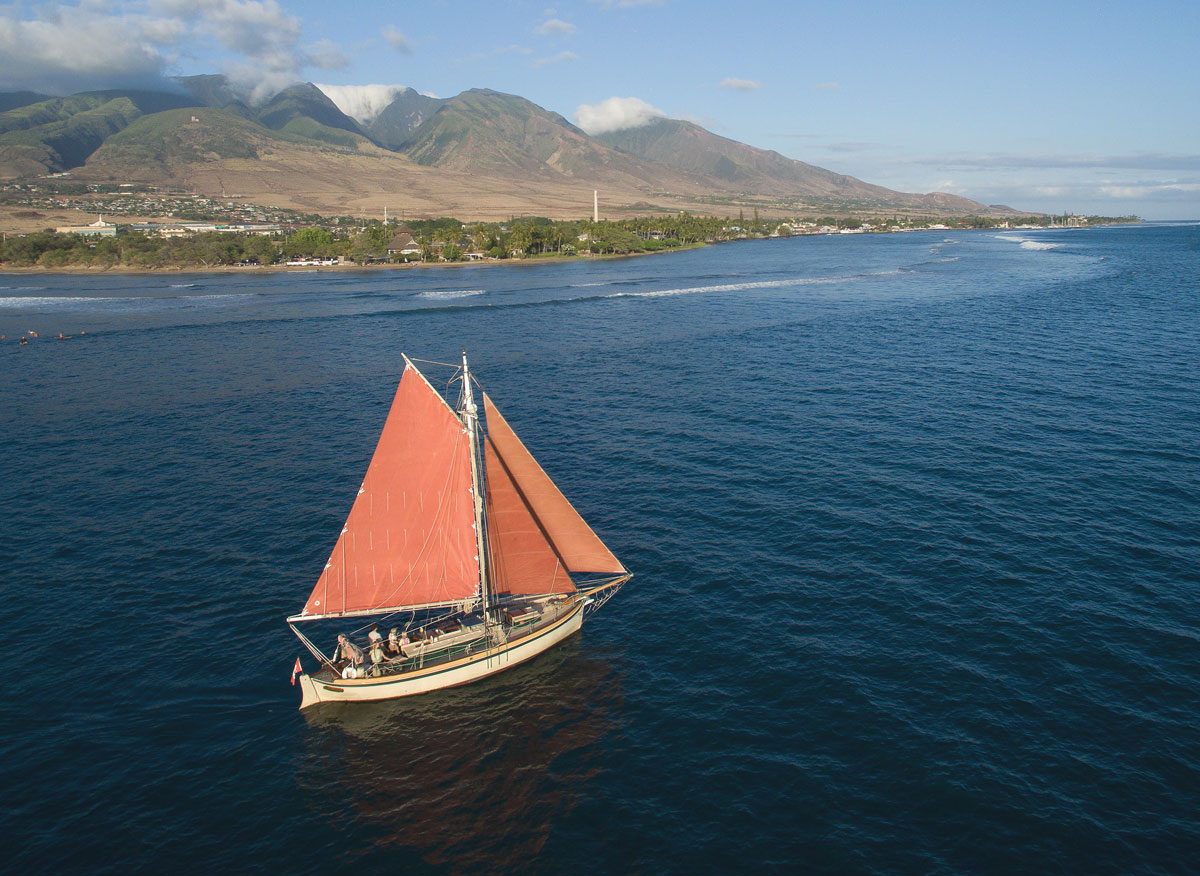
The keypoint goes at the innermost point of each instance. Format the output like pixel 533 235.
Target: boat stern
pixel 308 692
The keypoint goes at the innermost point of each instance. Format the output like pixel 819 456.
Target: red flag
pixel 296 670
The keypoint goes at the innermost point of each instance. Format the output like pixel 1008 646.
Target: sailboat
pixel 461 544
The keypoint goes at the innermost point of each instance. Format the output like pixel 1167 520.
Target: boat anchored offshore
pixel 462 545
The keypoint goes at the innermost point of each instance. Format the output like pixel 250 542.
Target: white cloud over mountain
pixel 362 102
pixel 397 40
pixel 61 48
pixel 616 114
pixel 64 49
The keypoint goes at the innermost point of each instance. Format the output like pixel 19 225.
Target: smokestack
pixel 595 206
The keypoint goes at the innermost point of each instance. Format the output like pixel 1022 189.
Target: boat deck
pixel 458 637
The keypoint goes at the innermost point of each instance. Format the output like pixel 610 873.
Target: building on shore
pixel 99 228
pixel 182 229
pixel 403 244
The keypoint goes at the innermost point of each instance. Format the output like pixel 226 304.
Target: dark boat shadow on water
pixel 472 778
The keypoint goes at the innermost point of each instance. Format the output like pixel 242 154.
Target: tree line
pixel 436 240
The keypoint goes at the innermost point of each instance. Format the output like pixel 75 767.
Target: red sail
pixel 410 538
pixel 523 562
pixel 573 541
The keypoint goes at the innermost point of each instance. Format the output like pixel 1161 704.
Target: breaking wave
pixel 449 294
pixel 1027 242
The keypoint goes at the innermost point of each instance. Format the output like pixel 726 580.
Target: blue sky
pixel 1087 107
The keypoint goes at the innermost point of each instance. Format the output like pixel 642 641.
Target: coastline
pixel 88 270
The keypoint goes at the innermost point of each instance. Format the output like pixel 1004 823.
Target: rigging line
pixel 431 362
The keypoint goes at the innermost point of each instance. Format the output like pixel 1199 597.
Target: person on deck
pixel 374 636
pixel 348 651
pixel 377 657
pixel 393 643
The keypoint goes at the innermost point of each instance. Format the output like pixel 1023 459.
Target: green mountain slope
pixel 61 134
pixel 305 111
pixel 210 89
pixel 15 99
pixel 160 142
pixel 164 145
pixel 483 131
pixel 411 109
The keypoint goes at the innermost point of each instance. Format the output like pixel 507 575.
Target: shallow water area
pixel 914 521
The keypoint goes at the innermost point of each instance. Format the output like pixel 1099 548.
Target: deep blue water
pixel 915 522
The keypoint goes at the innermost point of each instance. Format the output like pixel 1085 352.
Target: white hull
pixel 461 671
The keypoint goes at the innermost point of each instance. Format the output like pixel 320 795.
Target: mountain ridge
pixel 480 141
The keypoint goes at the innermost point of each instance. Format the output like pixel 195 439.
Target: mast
pixel 471 415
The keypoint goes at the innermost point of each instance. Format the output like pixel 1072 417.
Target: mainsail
pixel 409 539
pixel 530 521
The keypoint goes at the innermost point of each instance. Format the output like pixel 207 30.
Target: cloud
pixel 326 55
pixel 1136 161
pixel 67 49
pixel 397 40
pixel 554 27
pixel 740 84
pixel 262 33
pixel 556 59
pixel 616 114
pixel 362 102
pixel 61 48
pixel 827 86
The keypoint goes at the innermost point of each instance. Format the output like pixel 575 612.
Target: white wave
pixel 1027 242
pixel 49 301
pixel 183 286
pixel 729 287
pixel 62 302
pixel 446 294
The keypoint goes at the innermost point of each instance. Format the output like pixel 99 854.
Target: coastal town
pixel 141 228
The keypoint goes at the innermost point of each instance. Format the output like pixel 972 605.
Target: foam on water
pixel 449 294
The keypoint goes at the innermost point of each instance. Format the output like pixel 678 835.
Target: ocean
pixel 914 521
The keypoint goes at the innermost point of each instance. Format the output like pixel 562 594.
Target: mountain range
pixel 481 154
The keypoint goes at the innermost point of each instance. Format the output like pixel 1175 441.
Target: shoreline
pixel 86 270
